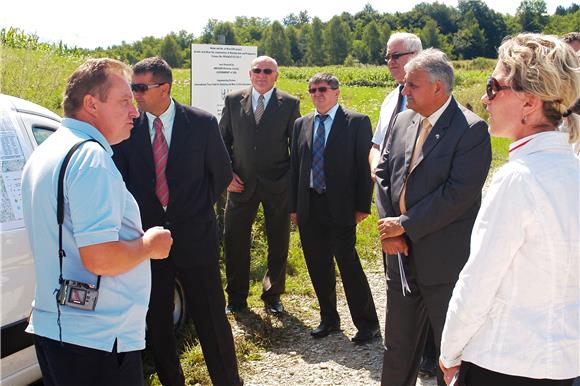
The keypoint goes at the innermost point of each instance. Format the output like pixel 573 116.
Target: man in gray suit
pixel 256 126
pixel 429 192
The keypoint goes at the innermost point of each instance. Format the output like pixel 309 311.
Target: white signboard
pixel 215 71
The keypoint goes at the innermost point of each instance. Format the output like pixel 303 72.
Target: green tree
pixel 225 33
pixel 470 41
pixel 493 23
pixel 315 48
pixel 431 36
pixel 563 11
pixel 532 15
pixel 445 16
pixel 207 33
pixel 170 51
pixel 374 43
pixel 296 51
pixel 360 51
pixel 337 40
pixel 561 24
pixel 277 45
pixel 250 30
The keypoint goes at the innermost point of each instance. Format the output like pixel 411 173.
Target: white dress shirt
pixel 167 119
pixel 256 96
pixel 516 306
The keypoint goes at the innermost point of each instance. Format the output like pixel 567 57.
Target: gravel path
pixel 295 358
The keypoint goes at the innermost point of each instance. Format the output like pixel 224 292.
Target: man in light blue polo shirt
pixel 102 237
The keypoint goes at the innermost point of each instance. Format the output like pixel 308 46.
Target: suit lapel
pixel 271 110
pixel 246 103
pixel 411 134
pixel 143 140
pixel 438 131
pixel 338 126
pixel 179 134
pixel 307 130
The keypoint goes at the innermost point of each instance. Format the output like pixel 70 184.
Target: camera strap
pixel 60 221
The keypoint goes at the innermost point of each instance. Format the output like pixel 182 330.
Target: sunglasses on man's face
pixel 266 71
pixel 322 89
pixel 492 88
pixel 143 87
pixel 397 55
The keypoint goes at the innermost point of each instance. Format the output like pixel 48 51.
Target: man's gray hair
pixel 325 77
pixel 411 41
pixel 435 63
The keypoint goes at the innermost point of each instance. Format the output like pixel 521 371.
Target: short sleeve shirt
pixel 98 209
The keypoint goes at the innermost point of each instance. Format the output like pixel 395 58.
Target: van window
pixel 41 133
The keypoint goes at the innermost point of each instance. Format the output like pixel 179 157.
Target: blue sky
pixel 107 22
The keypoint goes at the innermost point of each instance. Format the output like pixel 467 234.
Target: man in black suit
pixel 256 126
pixel 176 166
pixel 429 191
pixel 330 193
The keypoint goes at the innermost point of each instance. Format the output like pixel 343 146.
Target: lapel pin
pixel 437 136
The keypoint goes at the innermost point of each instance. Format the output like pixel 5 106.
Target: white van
pixel 23 126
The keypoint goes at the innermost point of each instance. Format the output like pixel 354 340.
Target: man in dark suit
pixel 176 166
pixel 430 179
pixel 330 193
pixel 256 126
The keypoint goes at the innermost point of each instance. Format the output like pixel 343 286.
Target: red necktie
pixel 160 151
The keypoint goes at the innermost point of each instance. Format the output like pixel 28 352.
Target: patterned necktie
pixel 259 109
pixel 160 151
pixel 425 130
pixel 318 181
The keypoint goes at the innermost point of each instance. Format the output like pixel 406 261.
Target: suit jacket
pixel 259 152
pixel 346 168
pixel 198 170
pixel 443 192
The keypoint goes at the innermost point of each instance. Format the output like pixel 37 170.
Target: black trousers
pixel 71 365
pixel 239 217
pixel 206 305
pixel 407 323
pixel 472 375
pixel 322 240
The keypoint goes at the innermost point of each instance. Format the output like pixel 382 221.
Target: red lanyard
pixel 520 145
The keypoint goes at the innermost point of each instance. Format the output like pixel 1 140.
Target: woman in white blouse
pixel 514 317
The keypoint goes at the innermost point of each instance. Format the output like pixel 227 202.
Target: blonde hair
pixel 545 66
pixel 92 77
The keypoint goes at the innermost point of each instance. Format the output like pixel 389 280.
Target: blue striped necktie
pixel 318 180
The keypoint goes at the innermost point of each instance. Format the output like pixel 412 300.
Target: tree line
pixel 470 30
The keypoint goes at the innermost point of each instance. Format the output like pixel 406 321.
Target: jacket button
pixel 167 223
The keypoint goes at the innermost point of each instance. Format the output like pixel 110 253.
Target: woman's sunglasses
pixel 492 88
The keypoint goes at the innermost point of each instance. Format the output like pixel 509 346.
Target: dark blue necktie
pixel 318 182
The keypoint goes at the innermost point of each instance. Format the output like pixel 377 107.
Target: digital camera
pixel 78 295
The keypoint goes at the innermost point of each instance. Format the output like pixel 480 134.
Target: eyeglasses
pixel 266 71
pixel 321 89
pixel 142 87
pixel 492 88
pixel 397 55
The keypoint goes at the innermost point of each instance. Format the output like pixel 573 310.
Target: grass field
pixel 40 76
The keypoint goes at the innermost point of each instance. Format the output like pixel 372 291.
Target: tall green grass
pixel 36 75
